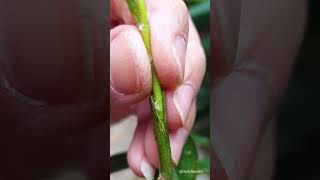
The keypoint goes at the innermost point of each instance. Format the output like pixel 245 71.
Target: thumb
pixel 130 72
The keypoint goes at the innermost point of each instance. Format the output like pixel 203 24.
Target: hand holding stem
pixel 157 100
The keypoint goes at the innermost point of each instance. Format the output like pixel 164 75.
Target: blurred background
pixel 53 105
pixel 298 117
pixel 200 12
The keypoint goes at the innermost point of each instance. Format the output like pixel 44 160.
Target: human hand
pixel 180 65
pixel 260 41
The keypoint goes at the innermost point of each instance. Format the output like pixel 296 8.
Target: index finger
pixel 169 26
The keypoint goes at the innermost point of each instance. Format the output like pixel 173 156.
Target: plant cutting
pixel 157 98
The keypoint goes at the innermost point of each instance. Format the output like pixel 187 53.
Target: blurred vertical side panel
pixel 54 72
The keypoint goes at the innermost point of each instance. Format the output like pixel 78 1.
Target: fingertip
pixel 130 71
pixel 169 24
pixel 147 170
pixel 174 120
pixel 183 98
pixel 195 66
pixel 177 141
pixel 136 153
pixel 151 147
pixel 179 104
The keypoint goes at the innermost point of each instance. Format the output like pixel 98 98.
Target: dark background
pixel 298 117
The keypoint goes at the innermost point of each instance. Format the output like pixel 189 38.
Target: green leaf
pixel 188 162
pixel 206 44
pixel 204 164
pixel 201 140
pixel 200 14
pixel 193 2
pixel 200 9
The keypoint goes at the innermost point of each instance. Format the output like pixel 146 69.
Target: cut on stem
pixel 157 99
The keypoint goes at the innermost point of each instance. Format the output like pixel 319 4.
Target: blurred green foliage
pixel 188 161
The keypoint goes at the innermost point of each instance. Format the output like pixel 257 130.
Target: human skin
pixel 180 65
pixel 52 103
pixel 256 43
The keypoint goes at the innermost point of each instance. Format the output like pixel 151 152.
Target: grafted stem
pixel 157 99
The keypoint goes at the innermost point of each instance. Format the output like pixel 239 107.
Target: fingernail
pixel 123 78
pixel 147 170
pixel 174 159
pixel 179 52
pixel 177 141
pixel 182 99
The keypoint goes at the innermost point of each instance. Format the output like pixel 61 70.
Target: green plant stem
pixel 157 99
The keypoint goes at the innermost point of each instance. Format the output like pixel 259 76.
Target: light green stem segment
pixel 157 99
